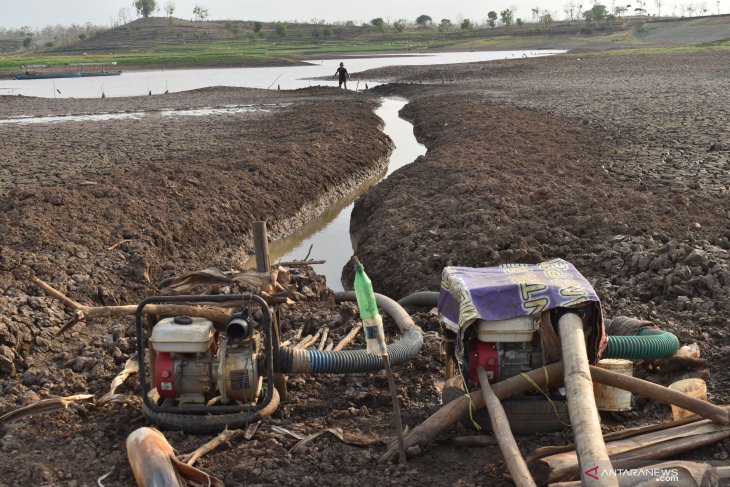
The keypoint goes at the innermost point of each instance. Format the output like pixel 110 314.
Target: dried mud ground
pixel 618 164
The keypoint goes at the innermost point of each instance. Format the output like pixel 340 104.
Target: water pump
pixel 202 378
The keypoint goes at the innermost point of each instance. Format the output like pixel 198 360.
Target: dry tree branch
pixel 83 312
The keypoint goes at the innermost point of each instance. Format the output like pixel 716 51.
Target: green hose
pixel 649 343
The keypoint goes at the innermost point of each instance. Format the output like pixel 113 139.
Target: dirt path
pixel 618 164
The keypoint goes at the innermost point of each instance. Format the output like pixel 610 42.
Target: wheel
pixel 207 424
pixel 527 415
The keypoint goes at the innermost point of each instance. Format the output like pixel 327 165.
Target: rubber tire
pixel 201 424
pixel 527 415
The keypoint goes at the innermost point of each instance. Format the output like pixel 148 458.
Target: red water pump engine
pixel 191 365
pixel 504 348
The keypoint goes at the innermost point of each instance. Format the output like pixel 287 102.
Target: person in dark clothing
pixel 342 74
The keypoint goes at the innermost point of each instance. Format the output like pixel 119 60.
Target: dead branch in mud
pixel 350 337
pixel 130 367
pixel 126 240
pixel 223 438
pixel 323 340
pixel 83 312
pixel 44 406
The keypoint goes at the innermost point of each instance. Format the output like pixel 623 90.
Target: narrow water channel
pixel 329 234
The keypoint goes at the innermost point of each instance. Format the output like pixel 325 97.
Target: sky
pixel 39 13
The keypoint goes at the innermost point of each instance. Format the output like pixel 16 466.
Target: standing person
pixel 343 75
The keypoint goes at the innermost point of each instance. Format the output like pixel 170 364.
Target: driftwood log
pixel 516 465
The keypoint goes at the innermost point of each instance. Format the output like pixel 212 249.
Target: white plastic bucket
pixel 696 388
pixel 610 398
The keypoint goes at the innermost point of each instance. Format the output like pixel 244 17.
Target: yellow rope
pixel 466 393
pixel 534 384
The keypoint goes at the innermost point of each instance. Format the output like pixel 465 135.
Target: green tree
pixel 399 25
pixel 445 25
pixel 506 17
pixel 424 20
pixel 620 10
pixel 169 8
pixel 546 20
pixel 27 41
pixel 201 13
pixel 379 24
pixel 257 27
pixel 492 16
pixel 519 22
pixel 466 24
pixel 327 33
pixel 281 28
pixel 597 13
pixel 145 7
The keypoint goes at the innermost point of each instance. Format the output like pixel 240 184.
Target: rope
pixel 460 365
pixel 537 387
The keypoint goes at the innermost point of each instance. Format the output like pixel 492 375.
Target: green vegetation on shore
pixel 170 43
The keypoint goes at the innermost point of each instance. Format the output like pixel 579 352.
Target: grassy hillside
pixel 169 42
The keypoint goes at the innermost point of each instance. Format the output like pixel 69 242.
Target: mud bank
pixel 618 164
pixel 607 162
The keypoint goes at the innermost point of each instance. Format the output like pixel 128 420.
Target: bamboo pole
pixel 500 426
pixel 586 423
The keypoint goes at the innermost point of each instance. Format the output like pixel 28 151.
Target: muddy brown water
pixel 328 236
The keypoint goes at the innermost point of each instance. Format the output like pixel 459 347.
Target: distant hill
pixel 149 33
pixel 162 31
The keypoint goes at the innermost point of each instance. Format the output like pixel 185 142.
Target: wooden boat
pixel 80 70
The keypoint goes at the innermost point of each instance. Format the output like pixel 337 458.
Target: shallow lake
pixel 139 83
